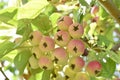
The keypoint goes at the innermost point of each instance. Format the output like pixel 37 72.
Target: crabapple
pixel 81 76
pixel 76 30
pixel 60 56
pixel 46 44
pixel 33 62
pixel 62 38
pixel 35 37
pixel 45 63
pixel 94 9
pixel 64 22
pixel 36 51
pixel 94 67
pixel 69 73
pixel 76 63
pixel 75 47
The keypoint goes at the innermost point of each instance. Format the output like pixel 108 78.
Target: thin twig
pixel 6 78
pixel 111 8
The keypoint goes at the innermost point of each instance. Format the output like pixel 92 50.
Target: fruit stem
pixel 110 6
pixel 26 46
pixel 50 30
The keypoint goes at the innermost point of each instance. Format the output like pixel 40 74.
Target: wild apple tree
pixel 60 39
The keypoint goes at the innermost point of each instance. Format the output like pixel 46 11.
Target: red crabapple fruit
pixel 76 30
pixel 62 38
pixel 64 22
pixel 46 44
pixel 35 37
pixel 45 63
pixel 76 63
pixel 94 9
pixel 60 56
pixel 75 47
pixel 93 68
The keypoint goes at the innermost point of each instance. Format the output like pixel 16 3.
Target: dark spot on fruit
pixel 53 75
pixel 31 37
pixel 58 30
pixel 76 28
pixel 34 55
pixel 55 60
pixel 45 44
pixel 59 38
pixel 44 67
pixel 96 71
pixel 101 31
pixel 66 77
pixel 75 49
pixel 72 66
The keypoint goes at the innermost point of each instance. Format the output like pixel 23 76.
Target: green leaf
pixel 5 48
pixel 35 71
pixel 103 13
pixel 2 4
pixel 5 37
pixel 92 56
pixel 21 59
pixel 31 9
pixel 115 57
pixel 10 56
pixel 83 2
pixel 46 75
pixel 108 68
pixel 54 18
pixel 24 28
pixel 22 24
pixel 109 32
pixel 93 78
pixel 42 22
pixel 78 16
pixel 7 14
pixel 49 9
pixel 103 41
pixel 37 75
pixel 32 77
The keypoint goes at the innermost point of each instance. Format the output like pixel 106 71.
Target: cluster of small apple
pixel 62 52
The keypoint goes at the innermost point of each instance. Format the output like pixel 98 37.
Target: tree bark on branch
pixel 111 8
